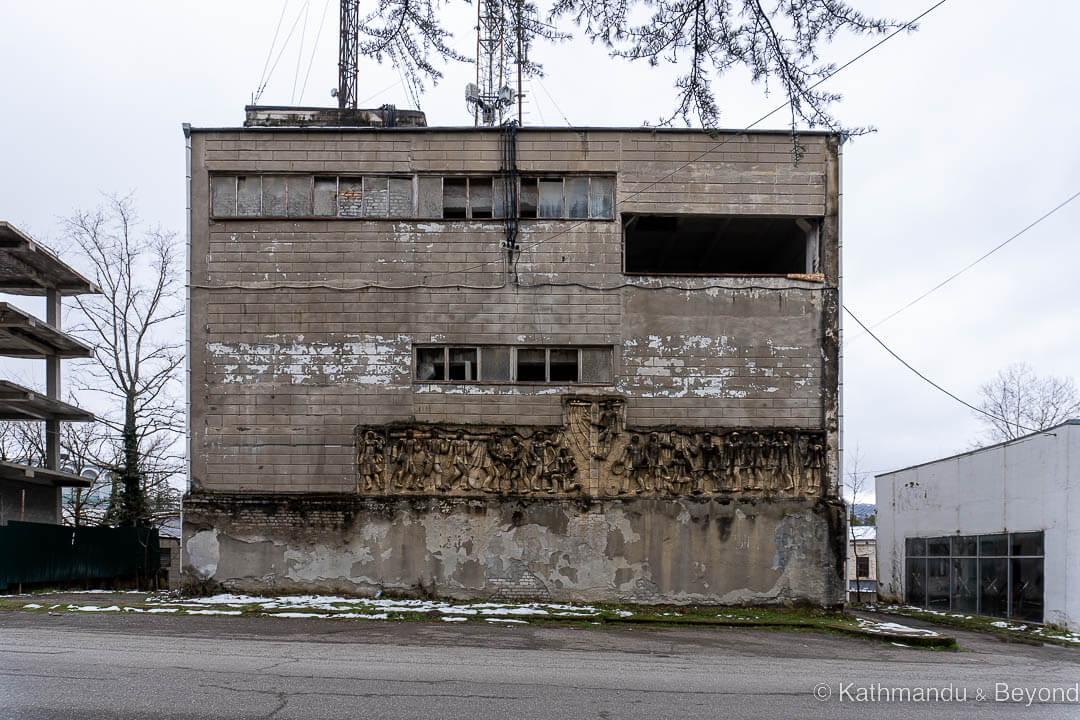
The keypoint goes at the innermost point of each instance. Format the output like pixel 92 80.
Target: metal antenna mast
pixel 348 54
pixel 491 95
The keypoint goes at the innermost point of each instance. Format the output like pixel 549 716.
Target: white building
pixel 862 563
pixel 988 531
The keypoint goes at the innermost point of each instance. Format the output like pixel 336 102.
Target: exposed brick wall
pixel 289 351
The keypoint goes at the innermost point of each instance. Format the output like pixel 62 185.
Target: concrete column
pixel 52 383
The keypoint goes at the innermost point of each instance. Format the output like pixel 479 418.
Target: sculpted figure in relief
pixel 371 462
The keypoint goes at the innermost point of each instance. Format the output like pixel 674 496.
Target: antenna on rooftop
pixel 348 55
pixel 491 95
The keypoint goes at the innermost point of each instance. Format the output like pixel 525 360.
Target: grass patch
pixel 1009 630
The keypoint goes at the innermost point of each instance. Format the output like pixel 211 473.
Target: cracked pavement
pixel 126 666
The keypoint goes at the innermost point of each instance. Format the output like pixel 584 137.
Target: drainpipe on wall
pixel 187 332
pixel 840 313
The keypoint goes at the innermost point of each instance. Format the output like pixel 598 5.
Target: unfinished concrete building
pixel 573 363
pixel 32 493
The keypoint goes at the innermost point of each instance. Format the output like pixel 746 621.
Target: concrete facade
pixel 306 342
pixel 1028 485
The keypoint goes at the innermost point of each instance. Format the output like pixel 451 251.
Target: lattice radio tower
pixel 348 54
pixel 491 96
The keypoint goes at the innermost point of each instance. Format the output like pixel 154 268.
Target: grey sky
pixel 976 118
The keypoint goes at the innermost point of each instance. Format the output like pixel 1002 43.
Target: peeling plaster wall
pixel 303 329
pixel 637 550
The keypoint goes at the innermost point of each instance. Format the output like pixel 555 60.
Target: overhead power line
pixel 931 382
pixel 967 267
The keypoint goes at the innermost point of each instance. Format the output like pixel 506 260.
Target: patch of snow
pixel 506 620
pixel 452 618
pixel 213 612
pixel 296 615
pixel 94 608
pixel 31 605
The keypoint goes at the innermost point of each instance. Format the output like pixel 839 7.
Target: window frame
pixel 491 181
pixel 952 556
pixel 479 373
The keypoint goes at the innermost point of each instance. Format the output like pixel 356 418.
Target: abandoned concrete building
pixel 32 493
pixel 573 364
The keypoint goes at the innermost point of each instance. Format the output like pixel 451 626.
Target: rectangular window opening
pixel 480 202
pixel 430 364
pixel 455 198
pixel 564 366
pixel 715 245
pixel 463 364
pixel 532 365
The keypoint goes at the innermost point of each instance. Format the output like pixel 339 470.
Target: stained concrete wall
pixel 29 502
pixel 1027 485
pixel 303 329
pixel 296 336
pixel 683 550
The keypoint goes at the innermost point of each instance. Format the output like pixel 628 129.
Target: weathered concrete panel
pixel 634 550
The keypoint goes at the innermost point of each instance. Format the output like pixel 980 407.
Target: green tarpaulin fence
pixel 40 553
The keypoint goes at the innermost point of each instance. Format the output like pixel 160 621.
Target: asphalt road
pixel 123 666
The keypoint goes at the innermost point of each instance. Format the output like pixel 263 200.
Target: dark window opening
pixel 455 197
pixel 531 365
pixel 462 363
pixel 430 364
pixel 564 365
pixel 717 245
pixel 480 197
pixel 862 567
pixel 528 200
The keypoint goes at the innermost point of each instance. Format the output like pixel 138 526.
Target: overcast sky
pixel 976 117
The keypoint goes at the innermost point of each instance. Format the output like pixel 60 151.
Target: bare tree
pixel 133 326
pixel 779 42
pixel 1018 402
pixel 854 487
pixel 85 449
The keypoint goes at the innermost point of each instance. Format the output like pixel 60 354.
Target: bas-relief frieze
pixel 591 454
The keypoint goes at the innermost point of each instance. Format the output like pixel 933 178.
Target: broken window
pixel 455 198
pixel 463 364
pixel 531 365
pixel 527 201
pixel 718 245
pixel 503 363
pixel 424 196
pixel 430 364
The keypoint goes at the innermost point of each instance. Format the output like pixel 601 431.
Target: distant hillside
pixel 863 510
